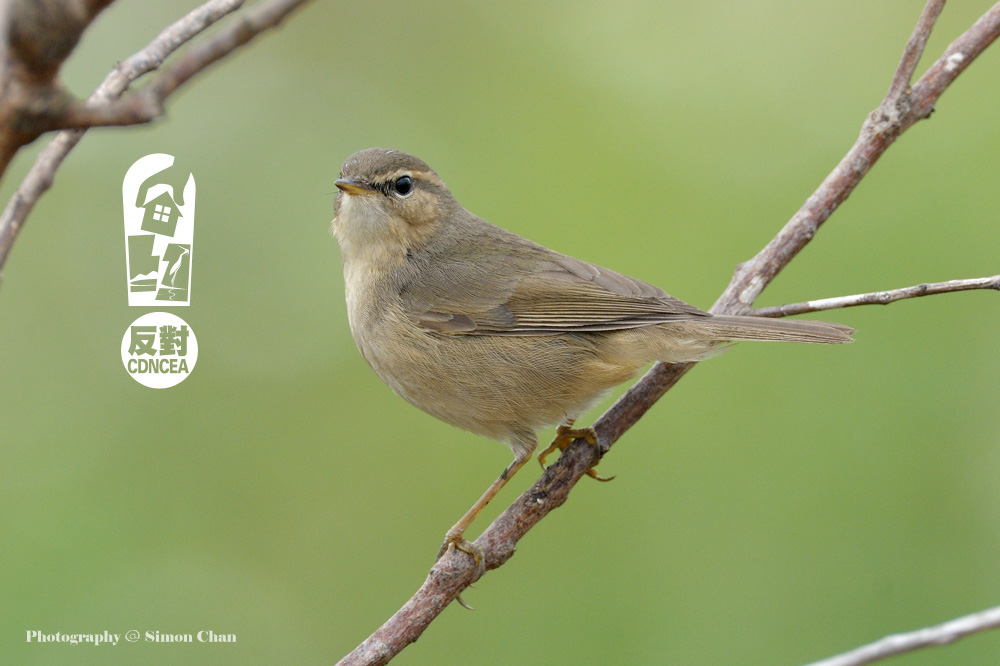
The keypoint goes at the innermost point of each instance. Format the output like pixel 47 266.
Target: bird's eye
pixel 403 185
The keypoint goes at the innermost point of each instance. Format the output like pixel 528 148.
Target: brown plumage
pixel 496 334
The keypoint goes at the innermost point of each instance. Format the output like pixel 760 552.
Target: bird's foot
pixel 455 540
pixel 565 434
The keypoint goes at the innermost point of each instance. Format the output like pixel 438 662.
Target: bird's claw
pixel 458 542
pixel 565 434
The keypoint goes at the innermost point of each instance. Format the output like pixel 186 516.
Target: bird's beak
pixel 352 186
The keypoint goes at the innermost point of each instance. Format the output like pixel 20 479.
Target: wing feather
pixel 525 289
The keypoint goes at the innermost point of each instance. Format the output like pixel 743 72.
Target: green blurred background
pixel 782 504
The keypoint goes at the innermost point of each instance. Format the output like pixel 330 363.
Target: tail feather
pixel 728 327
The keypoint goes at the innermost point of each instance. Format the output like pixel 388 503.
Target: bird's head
pixel 387 200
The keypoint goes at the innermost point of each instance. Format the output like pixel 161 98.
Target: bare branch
pixel 260 17
pixel 157 51
pixel 941 634
pixel 914 49
pixel 879 297
pixel 104 108
pixel 959 55
pixel 147 104
pixel 134 110
pixel 882 127
pixel 457 570
pixel 41 175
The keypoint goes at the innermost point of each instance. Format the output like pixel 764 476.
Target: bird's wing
pixel 536 295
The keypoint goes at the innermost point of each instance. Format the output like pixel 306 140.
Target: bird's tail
pixel 728 327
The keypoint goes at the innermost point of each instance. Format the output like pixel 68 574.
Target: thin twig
pixel 261 17
pixel 156 52
pixel 941 634
pixel 959 55
pixel 456 570
pixel 914 49
pixel 879 297
pixel 257 19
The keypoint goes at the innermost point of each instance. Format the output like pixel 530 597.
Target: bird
pixel 495 334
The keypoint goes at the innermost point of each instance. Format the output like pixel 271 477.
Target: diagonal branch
pixel 882 127
pixel 104 106
pixel 941 634
pixel 879 297
pixel 260 17
pixel 899 110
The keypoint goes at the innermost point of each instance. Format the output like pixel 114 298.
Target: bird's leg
pixel 565 434
pixel 454 538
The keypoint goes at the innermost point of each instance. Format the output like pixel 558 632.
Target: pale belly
pixel 502 387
